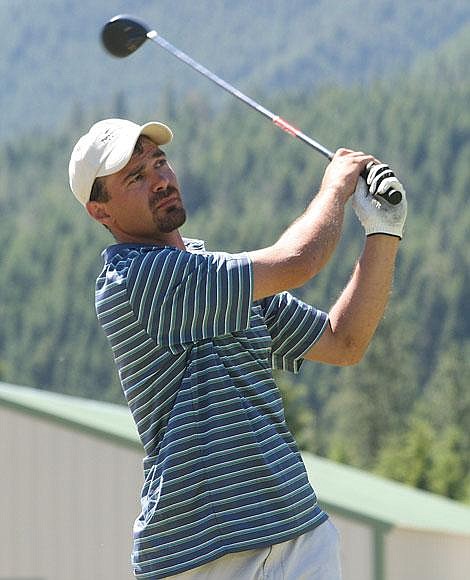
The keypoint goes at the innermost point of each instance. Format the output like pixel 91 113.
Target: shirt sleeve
pixel 294 327
pixel 181 297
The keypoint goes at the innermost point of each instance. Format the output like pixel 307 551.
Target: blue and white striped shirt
pixel 195 355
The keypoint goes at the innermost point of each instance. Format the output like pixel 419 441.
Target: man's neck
pixel 173 239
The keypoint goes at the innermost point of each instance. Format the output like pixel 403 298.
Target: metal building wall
pixel 357 548
pixel 67 502
pixel 417 555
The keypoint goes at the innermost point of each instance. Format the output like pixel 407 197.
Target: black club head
pixel 123 35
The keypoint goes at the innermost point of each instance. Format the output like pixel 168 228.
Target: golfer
pixel 195 335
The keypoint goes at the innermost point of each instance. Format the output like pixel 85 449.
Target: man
pixel 195 336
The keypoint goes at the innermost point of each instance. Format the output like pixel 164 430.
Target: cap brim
pixel 158 132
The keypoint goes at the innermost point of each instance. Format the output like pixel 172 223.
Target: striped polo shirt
pixel 195 356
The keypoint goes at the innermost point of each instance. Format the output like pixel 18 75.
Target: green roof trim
pixel 386 503
pixel 342 489
pixel 104 420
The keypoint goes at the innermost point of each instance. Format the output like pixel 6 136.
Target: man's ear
pixel 97 211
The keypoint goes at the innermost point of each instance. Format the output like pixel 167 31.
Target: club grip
pixel 392 196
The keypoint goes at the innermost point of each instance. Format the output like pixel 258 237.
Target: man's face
pixel 144 197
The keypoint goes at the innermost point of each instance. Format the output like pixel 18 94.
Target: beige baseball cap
pixel 106 149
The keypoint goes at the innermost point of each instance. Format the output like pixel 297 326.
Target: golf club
pixel 124 34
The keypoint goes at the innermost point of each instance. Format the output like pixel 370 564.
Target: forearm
pixel 355 316
pixel 313 237
pixel 306 246
pixel 301 251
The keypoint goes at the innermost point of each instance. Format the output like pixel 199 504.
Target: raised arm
pixel 355 316
pixel 307 244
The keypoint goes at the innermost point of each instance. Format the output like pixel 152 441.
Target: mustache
pixel 162 194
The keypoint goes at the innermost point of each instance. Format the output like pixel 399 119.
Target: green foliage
pixel 407 457
pixel 429 460
pixel 370 401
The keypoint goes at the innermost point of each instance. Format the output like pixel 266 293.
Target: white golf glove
pixel 377 215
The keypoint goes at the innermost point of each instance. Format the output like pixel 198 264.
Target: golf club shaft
pixel 276 119
pixel 392 196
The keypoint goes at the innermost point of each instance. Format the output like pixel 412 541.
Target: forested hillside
pixel 52 60
pixel 404 411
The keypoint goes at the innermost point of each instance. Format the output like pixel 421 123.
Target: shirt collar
pixel 191 245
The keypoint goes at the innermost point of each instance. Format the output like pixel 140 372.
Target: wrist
pixel 384 244
pixel 334 192
pixel 384 234
pixel 391 229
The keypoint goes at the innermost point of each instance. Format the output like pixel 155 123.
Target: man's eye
pixel 160 162
pixel 136 178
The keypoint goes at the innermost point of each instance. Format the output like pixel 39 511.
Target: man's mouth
pixel 166 202
pixel 164 198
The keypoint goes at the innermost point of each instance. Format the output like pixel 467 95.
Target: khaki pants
pixel 312 556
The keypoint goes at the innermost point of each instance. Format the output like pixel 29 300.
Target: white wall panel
pixel 417 555
pixel 67 502
pixel 357 549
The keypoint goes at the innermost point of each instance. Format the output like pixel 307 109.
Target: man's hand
pixel 376 215
pixel 342 173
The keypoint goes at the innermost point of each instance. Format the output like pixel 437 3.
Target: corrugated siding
pixel 67 502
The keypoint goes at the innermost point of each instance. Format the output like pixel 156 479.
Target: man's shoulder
pixel 118 253
pixel 125 261
pixel 141 265
pixel 147 268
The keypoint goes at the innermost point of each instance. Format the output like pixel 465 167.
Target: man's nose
pixel 160 180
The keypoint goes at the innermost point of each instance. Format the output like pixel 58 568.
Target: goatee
pixel 174 216
pixel 172 220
